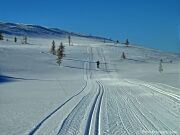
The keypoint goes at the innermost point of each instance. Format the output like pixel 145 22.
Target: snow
pixel 123 96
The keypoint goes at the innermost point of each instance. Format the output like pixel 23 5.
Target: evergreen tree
pixel 53 51
pixel 60 53
pixel 15 39
pixel 62 47
pixel 1 36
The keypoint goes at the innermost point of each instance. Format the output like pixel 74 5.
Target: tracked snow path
pixel 89 106
pixel 108 103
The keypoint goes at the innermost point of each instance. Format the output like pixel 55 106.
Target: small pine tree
pixel 53 51
pixel 15 39
pixel 123 56
pixel 1 36
pixel 127 42
pixel 60 53
pixel 160 66
pixel 61 47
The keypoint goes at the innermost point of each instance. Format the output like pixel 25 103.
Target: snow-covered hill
pixel 39 31
pixel 122 96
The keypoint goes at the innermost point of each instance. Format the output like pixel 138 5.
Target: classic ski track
pixel 153 116
pixel 130 128
pixel 149 122
pixel 87 73
pixel 118 128
pixel 168 86
pixel 71 124
pixel 174 96
pixel 165 108
pixel 133 113
pixel 155 99
pixel 142 114
pixel 160 122
pixel 98 123
pixel 53 112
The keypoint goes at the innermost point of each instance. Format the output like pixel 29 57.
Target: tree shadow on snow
pixel 5 79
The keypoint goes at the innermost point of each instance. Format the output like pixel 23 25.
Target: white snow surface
pixel 122 96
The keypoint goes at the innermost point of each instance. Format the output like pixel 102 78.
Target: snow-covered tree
pixel 1 36
pixel 123 56
pixel 53 50
pixel 160 66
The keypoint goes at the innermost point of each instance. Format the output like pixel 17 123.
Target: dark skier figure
pixel 97 64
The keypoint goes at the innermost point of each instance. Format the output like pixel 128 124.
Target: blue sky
pixel 152 23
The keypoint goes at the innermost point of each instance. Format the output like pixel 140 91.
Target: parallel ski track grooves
pixel 89 121
pixel 115 117
pixel 140 112
pixel 69 121
pixel 97 124
pixel 143 116
pixel 150 114
pixel 71 118
pixel 171 95
pixel 53 112
pixel 58 108
pixel 128 123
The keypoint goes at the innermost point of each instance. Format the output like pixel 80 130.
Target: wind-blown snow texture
pixel 122 96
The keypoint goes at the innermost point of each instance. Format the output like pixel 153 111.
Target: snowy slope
pixel 39 31
pixel 123 96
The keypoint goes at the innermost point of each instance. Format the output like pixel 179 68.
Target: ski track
pixel 53 112
pixel 87 72
pixel 123 113
pixel 150 115
pixel 97 123
pixel 71 124
pixel 115 122
pixel 171 95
